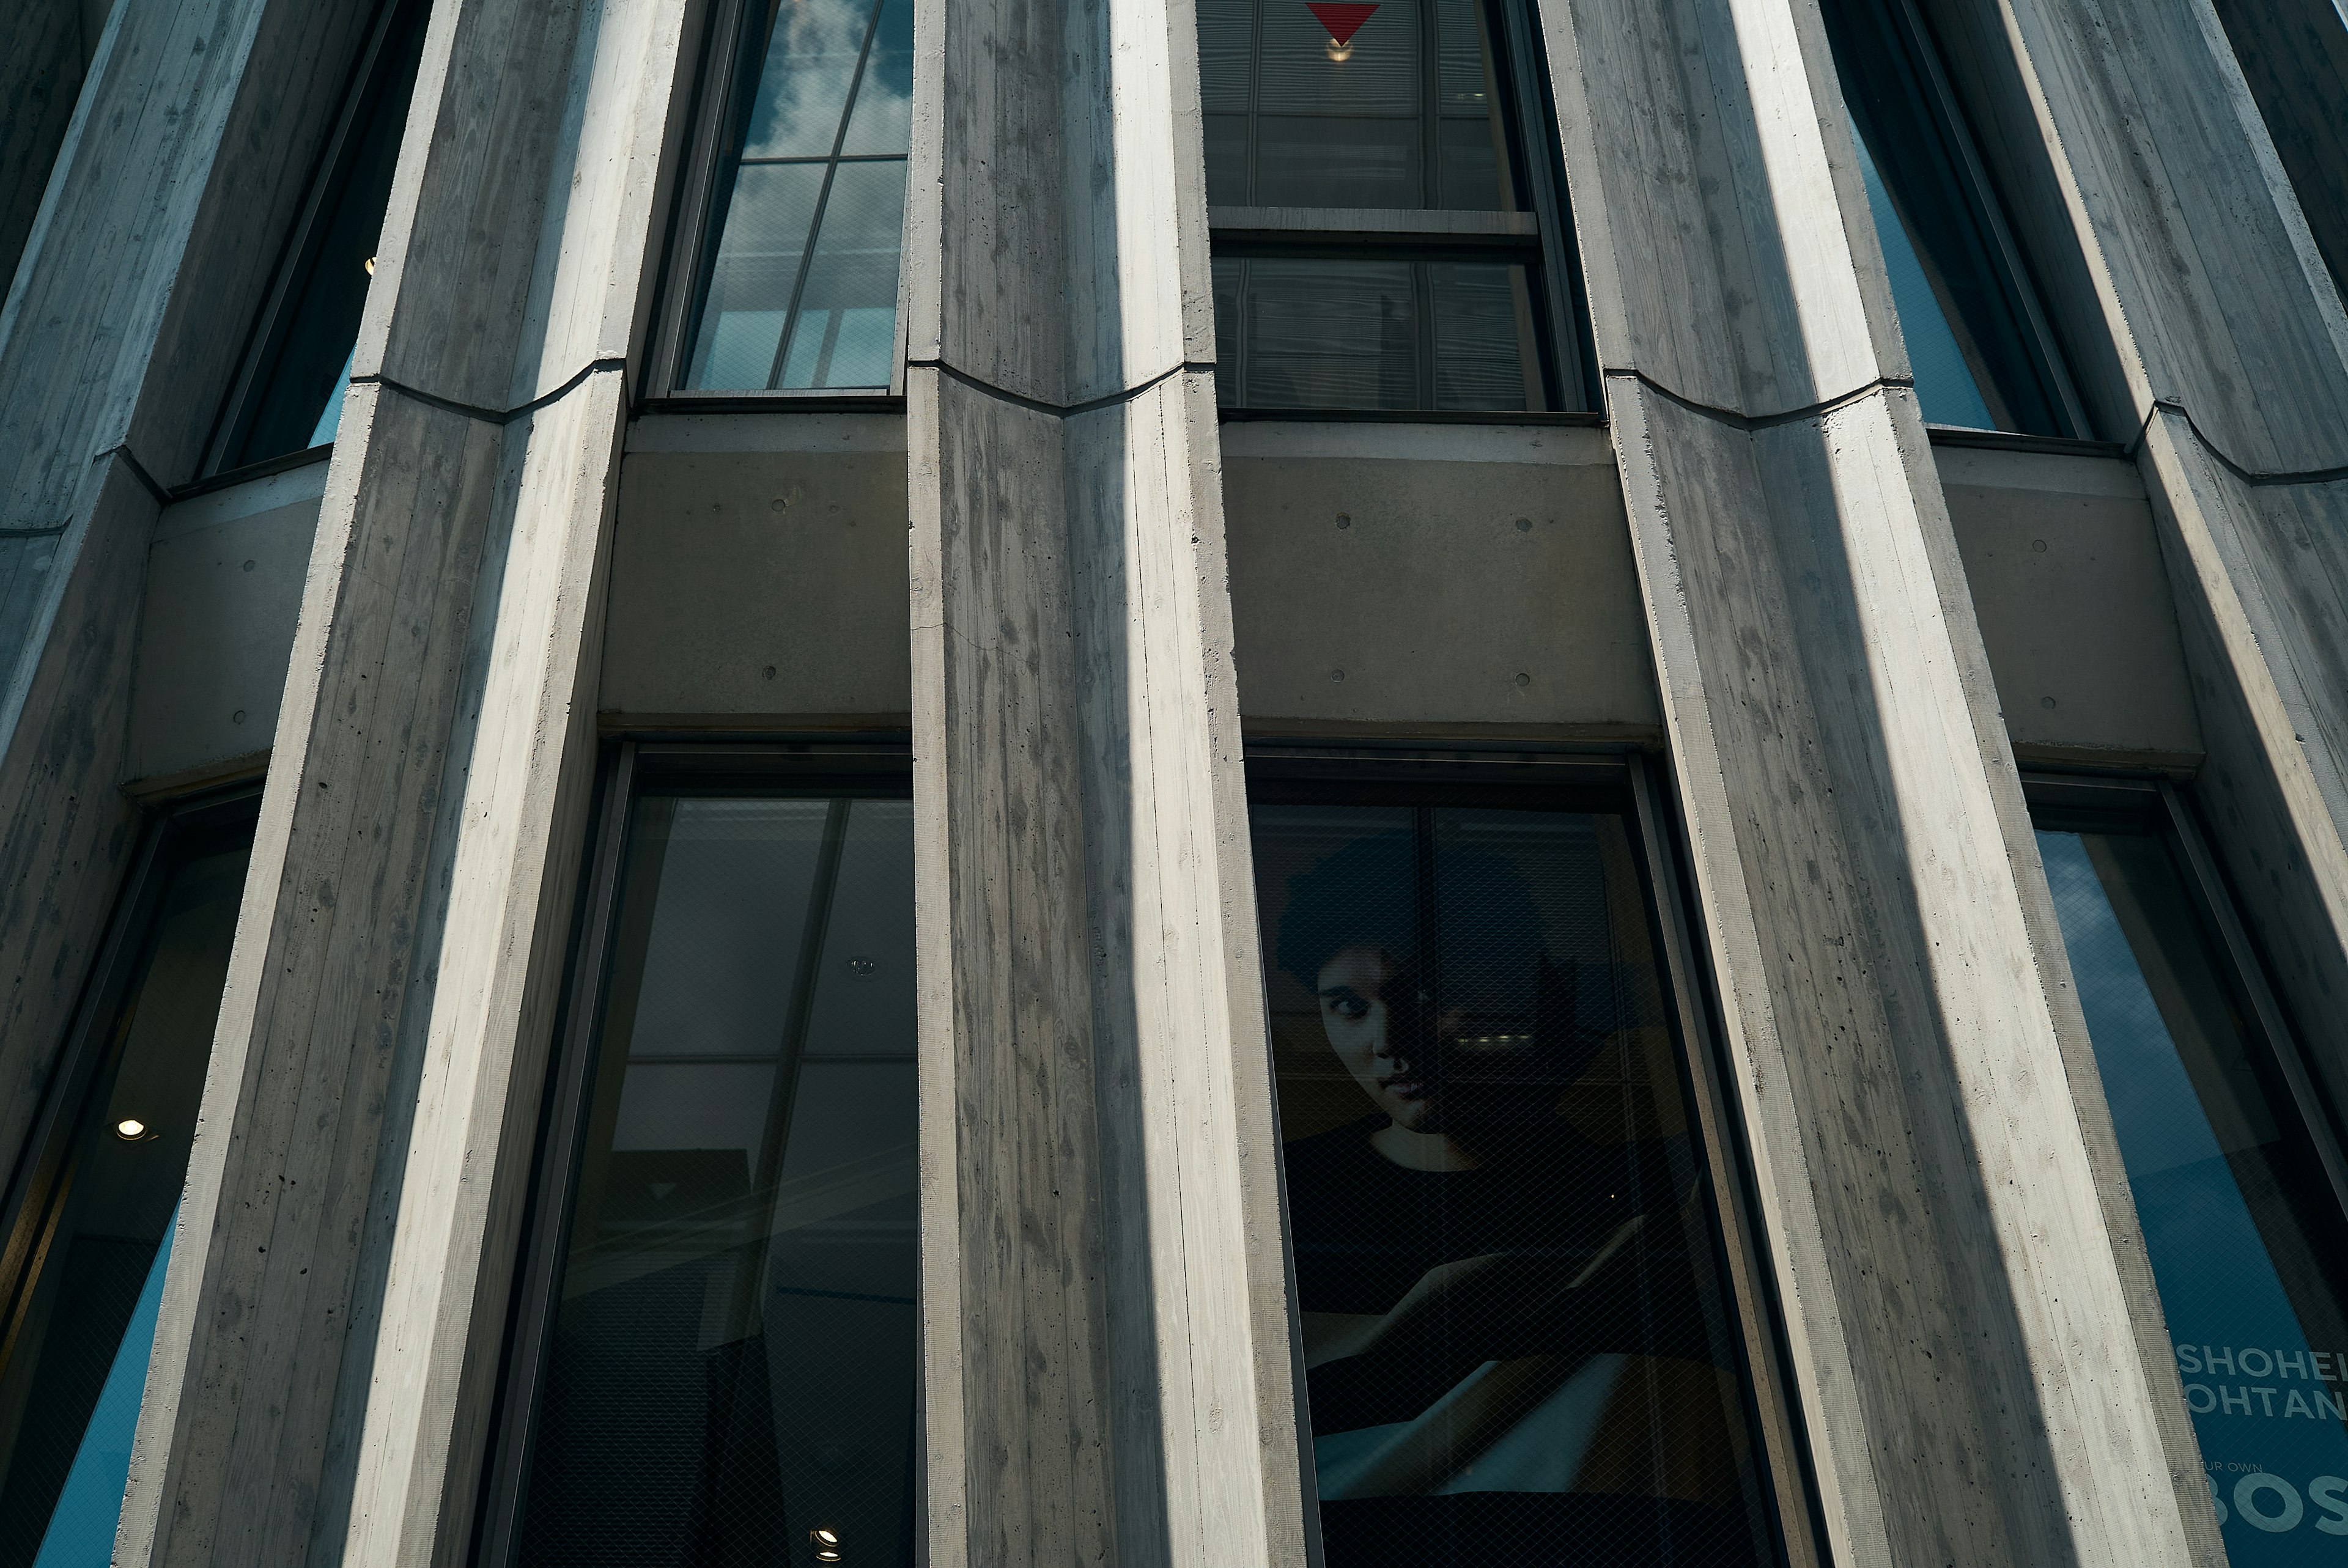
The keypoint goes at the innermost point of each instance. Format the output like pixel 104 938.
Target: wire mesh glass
pixel 1516 1346
pixel 2243 1224
pixel 732 1375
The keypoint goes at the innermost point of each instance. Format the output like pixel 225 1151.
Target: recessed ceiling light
pixel 130 1129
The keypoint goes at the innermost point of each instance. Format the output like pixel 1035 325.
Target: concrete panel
pixel 1457 577
pixel 759 573
pixel 223 589
pixel 2068 584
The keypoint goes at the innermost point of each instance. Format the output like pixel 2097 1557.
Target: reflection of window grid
pixel 1462 80
pixel 830 162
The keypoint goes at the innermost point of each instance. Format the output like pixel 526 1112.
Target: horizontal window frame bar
pixel 817 160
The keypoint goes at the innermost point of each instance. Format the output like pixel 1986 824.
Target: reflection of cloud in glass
pixel 810 65
pixel 2154 1107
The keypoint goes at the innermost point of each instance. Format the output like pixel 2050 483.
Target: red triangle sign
pixel 1343 20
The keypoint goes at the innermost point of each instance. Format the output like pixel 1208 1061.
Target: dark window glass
pixel 293 399
pixel 2241 1222
pixel 733 1357
pixel 1378 227
pixel 1516 1346
pixel 1976 342
pixel 90 1238
pixel 800 283
pixel 46 47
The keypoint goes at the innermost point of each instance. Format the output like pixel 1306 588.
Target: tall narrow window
pixel 1516 1344
pixel 1385 207
pixel 796 289
pixel 2237 1187
pixel 1978 344
pixel 290 395
pixel 89 1223
pixel 727 1351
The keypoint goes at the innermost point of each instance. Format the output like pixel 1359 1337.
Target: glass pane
pixel 81 1326
pixel 300 397
pixel 1962 301
pixel 734 1355
pixel 1227 148
pixel 1516 1344
pixel 764 241
pixel 1226 275
pixel 1483 325
pixel 2246 1241
pixel 1226 49
pixel 1330 334
pixel 812 57
pixel 1302 69
pixel 1945 384
pixel 884 120
pixel 1333 162
pixel 846 331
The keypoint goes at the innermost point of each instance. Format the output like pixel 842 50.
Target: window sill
pixel 1583 419
pixel 2014 441
pixel 228 479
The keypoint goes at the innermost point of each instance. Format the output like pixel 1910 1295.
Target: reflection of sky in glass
pixel 1944 381
pixel 82 1530
pixel 2217 1285
pixel 822 158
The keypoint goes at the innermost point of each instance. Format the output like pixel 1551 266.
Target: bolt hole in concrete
pixel 1338 675
pixel 2039 546
pixel 1344 520
pixel 248 566
pixel 1523 679
pixel 768 673
pixel 2046 701
pixel 1524 524
pixel 237 717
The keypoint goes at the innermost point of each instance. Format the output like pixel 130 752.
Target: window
pixel 1977 342
pixel 45 50
pixel 720 1357
pixel 1516 1341
pixel 289 396
pixel 89 1223
pixel 2236 1176
pixel 1387 207
pixel 803 214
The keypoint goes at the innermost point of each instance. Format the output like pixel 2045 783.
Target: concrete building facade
pixel 697 698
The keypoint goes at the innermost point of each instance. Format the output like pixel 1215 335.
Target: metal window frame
pixel 631 769
pixel 30 1205
pixel 725 76
pixel 1623 784
pixel 1538 239
pixel 2154 807
pixel 271 326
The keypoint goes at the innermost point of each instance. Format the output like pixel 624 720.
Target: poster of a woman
pixel 1509 1329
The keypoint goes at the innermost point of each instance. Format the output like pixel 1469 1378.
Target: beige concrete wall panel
pixel 1435 579
pixel 195 130
pixel 223 589
pixel 2236 347
pixel 758 584
pixel 1952 1229
pixel 332 1318
pixel 1104 1323
pixel 2071 595
pixel 66 833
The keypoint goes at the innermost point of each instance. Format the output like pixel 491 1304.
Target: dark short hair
pixel 1365 896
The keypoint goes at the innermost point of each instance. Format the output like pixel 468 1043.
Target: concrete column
pixel 1105 1326
pixel 184 160
pixel 1951 1236
pixel 333 1316
pixel 2231 356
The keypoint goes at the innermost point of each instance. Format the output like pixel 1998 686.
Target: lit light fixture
pixel 370 266
pixel 826 1545
pixel 130 1129
pixel 1339 52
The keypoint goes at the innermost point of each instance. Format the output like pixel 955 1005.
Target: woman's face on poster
pixel 1432 1071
